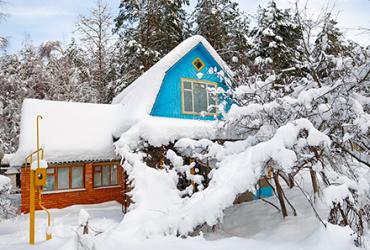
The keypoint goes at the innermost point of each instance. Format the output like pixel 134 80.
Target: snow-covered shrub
pixel 160 208
pixel 6 208
pixel 84 237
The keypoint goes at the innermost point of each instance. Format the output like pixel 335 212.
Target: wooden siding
pixel 169 102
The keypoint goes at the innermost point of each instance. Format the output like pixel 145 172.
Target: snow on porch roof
pixel 139 97
pixel 69 131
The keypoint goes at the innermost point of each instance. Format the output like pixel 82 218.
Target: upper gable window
pixel 198 64
pixel 196 97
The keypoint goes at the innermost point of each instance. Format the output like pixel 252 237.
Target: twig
pixel 272 204
pixel 309 200
pixel 290 204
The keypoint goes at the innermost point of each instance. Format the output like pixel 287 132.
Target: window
pixel 198 64
pixel 64 177
pixel 77 177
pixel 105 175
pixel 50 179
pixel 196 97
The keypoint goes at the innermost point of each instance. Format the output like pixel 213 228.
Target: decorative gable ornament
pixel 198 64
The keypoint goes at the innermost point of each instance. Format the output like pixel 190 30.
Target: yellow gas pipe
pixel 48 234
pixel 32 187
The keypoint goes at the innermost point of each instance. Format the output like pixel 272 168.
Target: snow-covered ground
pixel 253 225
pixel 14 232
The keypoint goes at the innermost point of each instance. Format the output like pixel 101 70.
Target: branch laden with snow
pixel 158 206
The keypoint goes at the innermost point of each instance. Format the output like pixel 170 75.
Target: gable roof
pixel 139 97
pixel 69 131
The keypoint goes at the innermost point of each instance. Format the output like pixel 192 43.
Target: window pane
pixel 50 170
pixel 50 179
pixel 97 177
pixel 114 175
pixel 212 101
pixel 187 85
pixel 106 175
pixel 77 177
pixel 188 101
pixel 63 178
pixel 200 97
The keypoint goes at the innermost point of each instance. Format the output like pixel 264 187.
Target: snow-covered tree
pixel 223 24
pixel 69 73
pixel 338 107
pixel 95 31
pixel 276 44
pixel 31 71
pixel 21 76
pixel 11 94
pixel 329 50
pixel 148 30
pixel 3 40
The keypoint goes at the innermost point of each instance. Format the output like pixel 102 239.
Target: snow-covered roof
pixel 159 131
pixel 139 97
pixel 69 131
pixel 81 131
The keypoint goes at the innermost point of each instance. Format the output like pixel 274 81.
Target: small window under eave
pixel 198 64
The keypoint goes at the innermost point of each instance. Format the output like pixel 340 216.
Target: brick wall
pixel 59 199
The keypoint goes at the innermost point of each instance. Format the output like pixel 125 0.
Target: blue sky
pixel 55 19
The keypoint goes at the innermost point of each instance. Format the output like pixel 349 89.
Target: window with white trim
pixel 197 98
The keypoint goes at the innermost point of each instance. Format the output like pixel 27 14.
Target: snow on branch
pixel 160 209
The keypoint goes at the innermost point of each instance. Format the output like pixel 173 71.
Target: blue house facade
pixel 188 90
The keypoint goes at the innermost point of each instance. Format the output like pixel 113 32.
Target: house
pixel 78 142
pixel 177 97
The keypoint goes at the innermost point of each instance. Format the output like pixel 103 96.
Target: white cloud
pixel 35 12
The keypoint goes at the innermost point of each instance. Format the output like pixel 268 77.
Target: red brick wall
pixel 90 195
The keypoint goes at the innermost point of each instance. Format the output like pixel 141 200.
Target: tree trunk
pixel 291 180
pixel 86 229
pixel 279 191
pixel 315 185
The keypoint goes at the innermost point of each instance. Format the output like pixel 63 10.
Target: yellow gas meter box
pixel 40 177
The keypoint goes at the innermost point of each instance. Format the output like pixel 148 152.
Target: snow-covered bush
pixel 6 208
pixel 160 208
pixel 84 238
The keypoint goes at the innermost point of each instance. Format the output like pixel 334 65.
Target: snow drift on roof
pixel 139 97
pixel 68 131
pixel 158 131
